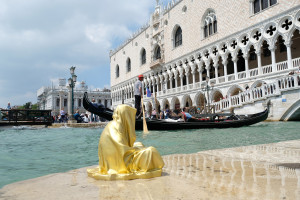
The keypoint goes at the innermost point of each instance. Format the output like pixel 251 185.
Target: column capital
pixel 288 43
pixel 272 48
pixel 246 55
pixel 234 59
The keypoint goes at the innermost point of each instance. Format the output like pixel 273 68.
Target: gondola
pixel 156 124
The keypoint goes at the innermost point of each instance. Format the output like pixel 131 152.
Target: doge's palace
pixel 247 52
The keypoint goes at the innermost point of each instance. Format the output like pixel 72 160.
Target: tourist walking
pixel 9 113
pixel 63 115
pixel 138 87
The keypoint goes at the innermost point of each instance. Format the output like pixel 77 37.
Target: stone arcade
pixel 247 51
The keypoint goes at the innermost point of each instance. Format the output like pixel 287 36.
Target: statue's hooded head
pixel 124 117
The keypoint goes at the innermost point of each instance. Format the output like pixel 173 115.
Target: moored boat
pixel 156 124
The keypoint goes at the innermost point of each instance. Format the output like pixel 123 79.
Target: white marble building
pixel 57 97
pixel 244 49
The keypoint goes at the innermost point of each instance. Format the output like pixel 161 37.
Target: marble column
pixel 272 49
pixel 234 59
pixel 216 66
pixel 289 54
pixel 258 53
pixel 224 62
pixel 246 57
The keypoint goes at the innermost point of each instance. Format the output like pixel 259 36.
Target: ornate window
pixel 157 54
pixel 143 56
pixel 259 5
pixel 210 24
pixel 128 64
pixel 178 37
pixel 117 71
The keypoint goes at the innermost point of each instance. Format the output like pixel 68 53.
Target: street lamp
pixel 72 82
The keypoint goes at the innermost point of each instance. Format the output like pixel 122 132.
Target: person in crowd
pixel 77 117
pixel 138 93
pixel 186 115
pixel 9 113
pixel 167 113
pixel 85 118
pixel 153 114
pixel 63 115
pixel 8 106
pixel 161 115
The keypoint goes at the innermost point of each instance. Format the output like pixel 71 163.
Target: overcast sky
pixel 41 39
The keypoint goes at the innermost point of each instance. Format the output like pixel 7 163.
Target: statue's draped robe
pixel 119 156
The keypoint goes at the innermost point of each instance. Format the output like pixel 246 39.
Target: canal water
pixel 28 153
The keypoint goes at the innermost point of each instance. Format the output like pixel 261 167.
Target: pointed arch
pixel 143 57
pixel 216 95
pixel 234 90
pixel 209 23
pixel 157 53
pixel 117 71
pixel 128 65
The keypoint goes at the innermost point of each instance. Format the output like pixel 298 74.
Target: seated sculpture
pixel 120 158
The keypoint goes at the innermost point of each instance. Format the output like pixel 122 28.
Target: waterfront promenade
pixel 79 125
pixel 270 171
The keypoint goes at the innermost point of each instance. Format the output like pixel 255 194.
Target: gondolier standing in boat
pixel 138 88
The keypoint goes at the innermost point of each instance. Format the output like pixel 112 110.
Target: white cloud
pixel 40 40
pixel 105 33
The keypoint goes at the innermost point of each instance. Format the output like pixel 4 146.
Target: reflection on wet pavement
pixel 265 172
pixel 254 172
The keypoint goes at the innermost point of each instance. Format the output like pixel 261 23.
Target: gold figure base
pixel 94 173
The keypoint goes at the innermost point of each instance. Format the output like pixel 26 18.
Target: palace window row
pixel 259 5
pixel 210 24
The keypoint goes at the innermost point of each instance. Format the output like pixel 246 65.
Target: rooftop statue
pixel 120 158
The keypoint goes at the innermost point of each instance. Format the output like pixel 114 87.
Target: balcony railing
pixel 156 63
pixel 271 89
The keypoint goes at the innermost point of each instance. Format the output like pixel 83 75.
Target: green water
pixel 26 154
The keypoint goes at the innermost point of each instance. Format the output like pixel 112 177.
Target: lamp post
pixel 72 82
pixel 207 88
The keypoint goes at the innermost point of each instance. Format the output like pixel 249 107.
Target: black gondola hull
pixel 168 125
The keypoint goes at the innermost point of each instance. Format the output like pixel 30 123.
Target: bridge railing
pixel 17 115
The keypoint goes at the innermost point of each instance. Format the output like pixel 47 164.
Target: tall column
pixel 181 74
pixel 176 82
pixel 187 71
pixel 161 77
pixel 224 62
pixel 272 49
pixel 61 100
pixel 171 80
pixel 234 59
pixel 193 70
pixel 216 66
pixel 157 84
pixel 289 54
pixel 69 100
pixel 175 72
pixel 165 81
pixel 246 57
pixel 200 70
pixel 258 53
pixel 207 67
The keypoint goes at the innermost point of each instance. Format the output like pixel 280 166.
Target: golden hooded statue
pixel 119 157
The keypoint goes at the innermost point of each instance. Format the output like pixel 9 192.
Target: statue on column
pixel 120 157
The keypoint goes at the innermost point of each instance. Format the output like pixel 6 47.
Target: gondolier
pixel 138 88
